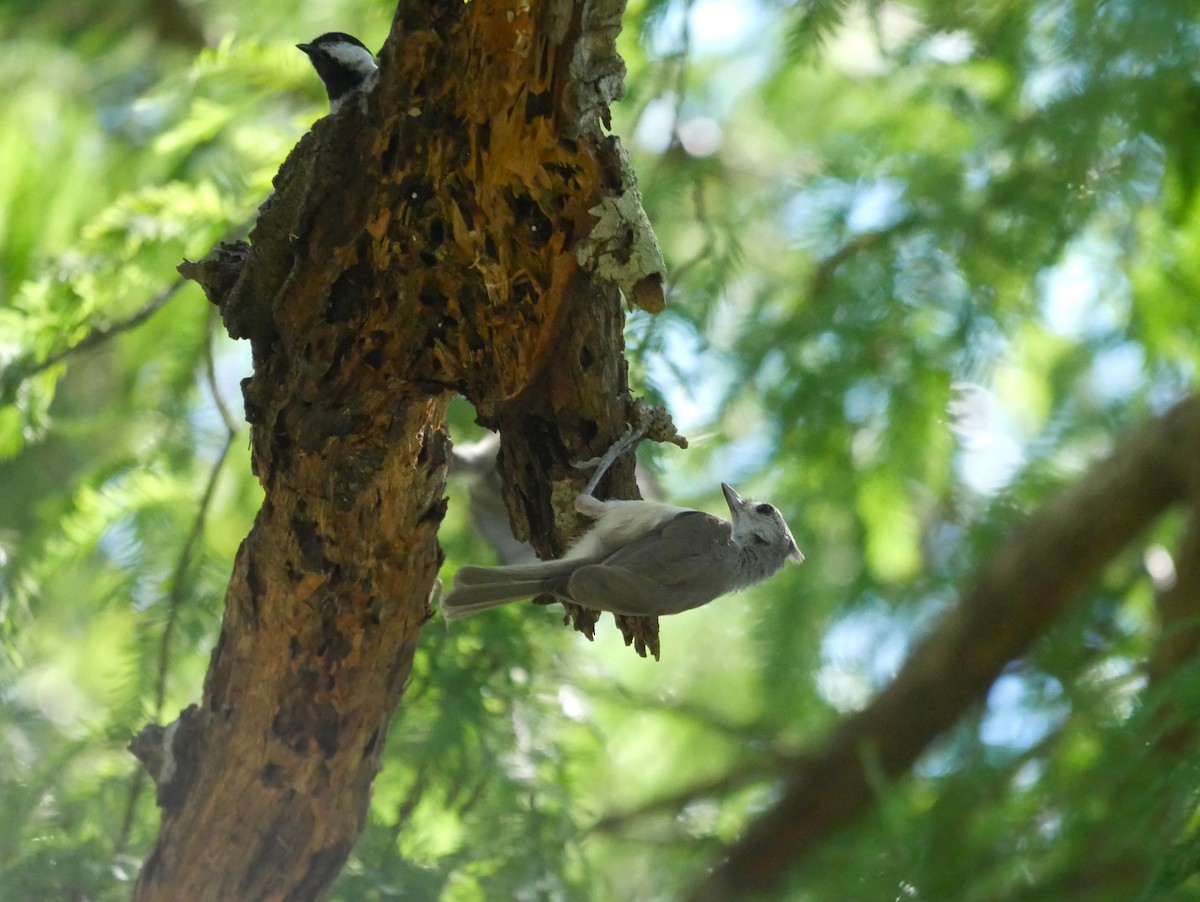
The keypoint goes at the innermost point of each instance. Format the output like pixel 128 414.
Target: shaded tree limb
pixel 1025 586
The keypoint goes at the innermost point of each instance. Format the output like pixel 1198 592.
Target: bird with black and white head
pixel 344 63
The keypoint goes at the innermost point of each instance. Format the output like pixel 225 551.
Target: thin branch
pixel 707 249
pixel 101 333
pixel 210 373
pixel 1026 585
pixel 742 775
pixel 679 61
pixel 742 731
pixel 409 803
pixel 175 600
pixel 178 576
pixel 822 276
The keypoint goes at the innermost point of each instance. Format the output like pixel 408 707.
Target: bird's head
pixel 759 524
pixel 343 62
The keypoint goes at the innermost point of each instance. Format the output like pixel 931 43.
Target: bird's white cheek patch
pixel 355 58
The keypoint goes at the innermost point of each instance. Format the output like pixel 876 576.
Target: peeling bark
pixel 440 236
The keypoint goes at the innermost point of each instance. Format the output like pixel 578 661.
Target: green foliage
pixel 926 262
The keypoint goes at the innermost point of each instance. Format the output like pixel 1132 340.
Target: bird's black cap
pixel 331 37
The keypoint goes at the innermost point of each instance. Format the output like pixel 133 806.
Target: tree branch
pixel 1027 584
pixel 466 227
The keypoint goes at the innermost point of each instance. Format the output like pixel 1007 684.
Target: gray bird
pixel 641 558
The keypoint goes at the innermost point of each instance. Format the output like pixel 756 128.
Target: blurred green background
pixel 927 260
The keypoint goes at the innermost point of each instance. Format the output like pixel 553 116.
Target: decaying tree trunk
pixel 467 228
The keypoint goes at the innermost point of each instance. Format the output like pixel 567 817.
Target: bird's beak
pixel 732 498
pixel 795 553
pixel 307 48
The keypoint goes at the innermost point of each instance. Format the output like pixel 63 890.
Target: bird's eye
pixel 765 509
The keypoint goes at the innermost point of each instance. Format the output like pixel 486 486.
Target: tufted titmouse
pixel 641 558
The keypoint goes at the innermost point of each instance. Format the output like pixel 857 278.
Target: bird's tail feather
pixel 515 573
pixel 465 600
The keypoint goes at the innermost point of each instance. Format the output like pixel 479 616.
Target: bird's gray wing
pixel 613 589
pixel 680 565
pixel 678 541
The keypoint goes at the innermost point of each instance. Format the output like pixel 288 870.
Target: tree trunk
pixel 466 228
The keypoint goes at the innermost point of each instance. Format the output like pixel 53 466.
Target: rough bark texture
pixel 1024 588
pixel 465 228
